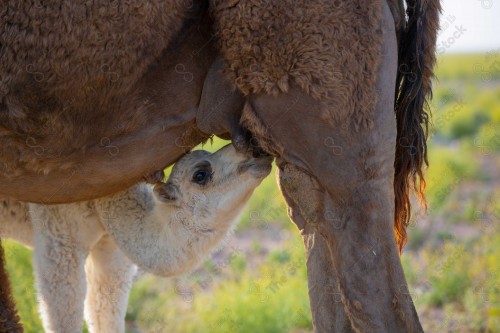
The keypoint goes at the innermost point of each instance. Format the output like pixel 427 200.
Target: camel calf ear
pixel 167 192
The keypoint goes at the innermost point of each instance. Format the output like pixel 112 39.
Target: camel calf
pixel 84 253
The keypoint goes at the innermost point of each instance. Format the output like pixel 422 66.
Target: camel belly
pixel 89 107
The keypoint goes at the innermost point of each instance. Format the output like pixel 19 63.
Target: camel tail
pixel 417 56
pixel 9 320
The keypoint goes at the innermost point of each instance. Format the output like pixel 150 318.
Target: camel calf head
pixel 214 183
pixel 170 232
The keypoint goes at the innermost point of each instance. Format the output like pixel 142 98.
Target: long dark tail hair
pixel 9 320
pixel 417 56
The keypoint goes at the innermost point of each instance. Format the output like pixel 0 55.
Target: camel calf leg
pixel 109 279
pixel 60 284
pixel 61 245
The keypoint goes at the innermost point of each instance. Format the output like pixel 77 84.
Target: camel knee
pixel 302 194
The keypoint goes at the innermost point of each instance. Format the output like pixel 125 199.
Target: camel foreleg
pixel 109 279
pixel 59 268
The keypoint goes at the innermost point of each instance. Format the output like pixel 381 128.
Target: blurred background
pixel 257 281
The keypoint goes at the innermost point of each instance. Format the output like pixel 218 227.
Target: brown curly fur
pixel 276 43
pixel 67 64
pixel 9 320
pixel 417 56
pixel 75 59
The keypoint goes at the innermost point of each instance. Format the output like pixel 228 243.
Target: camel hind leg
pixel 109 279
pixel 328 313
pixel 354 167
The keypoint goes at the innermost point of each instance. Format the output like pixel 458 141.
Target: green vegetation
pixel 22 280
pixel 271 298
pixel 449 168
pixel 462 279
pixel 258 283
pixel 466 67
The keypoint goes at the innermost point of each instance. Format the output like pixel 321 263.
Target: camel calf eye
pixel 201 177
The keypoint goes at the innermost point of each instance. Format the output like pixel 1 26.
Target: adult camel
pixel 95 96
